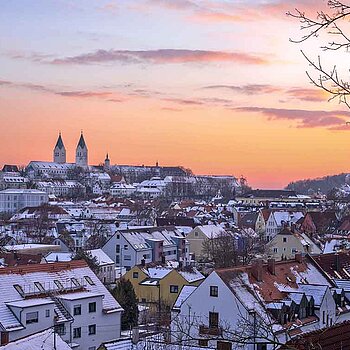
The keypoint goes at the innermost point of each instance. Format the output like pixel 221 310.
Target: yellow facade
pixel 165 289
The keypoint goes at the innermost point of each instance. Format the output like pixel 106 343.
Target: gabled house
pixel 316 222
pixel 259 306
pixel 287 243
pixel 201 234
pixel 152 284
pixel 130 247
pixel 67 296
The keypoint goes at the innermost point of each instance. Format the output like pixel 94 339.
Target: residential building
pixel 106 266
pixel 130 247
pixel 12 200
pixel 259 306
pixel 158 283
pixel 69 296
pixel 200 234
pixel 287 243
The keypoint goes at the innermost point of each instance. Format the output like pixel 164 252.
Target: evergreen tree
pixel 124 293
pixel 90 260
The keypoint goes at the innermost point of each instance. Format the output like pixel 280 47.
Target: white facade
pixel 68 295
pixel 12 200
pixel 122 190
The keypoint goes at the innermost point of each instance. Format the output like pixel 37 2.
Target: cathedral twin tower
pixel 81 153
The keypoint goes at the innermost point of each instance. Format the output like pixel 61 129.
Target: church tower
pixel 59 152
pixel 81 153
pixel 107 164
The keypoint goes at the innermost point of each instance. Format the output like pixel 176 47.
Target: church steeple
pixel 59 152
pixel 107 162
pixel 81 153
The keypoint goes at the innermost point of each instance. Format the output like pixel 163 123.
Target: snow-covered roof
pixel 191 276
pixel 59 256
pixel 158 272
pixel 42 340
pixel 211 231
pixel 185 292
pixel 101 257
pixel 72 276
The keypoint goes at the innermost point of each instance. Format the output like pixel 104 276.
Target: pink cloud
pixel 162 56
pixel 304 118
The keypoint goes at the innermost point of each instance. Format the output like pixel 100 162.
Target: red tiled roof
pixel 329 261
pixel 54 267
pixel 331 338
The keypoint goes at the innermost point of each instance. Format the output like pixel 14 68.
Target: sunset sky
pixel 213 85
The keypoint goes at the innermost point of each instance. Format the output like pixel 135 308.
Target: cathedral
pixel 81 152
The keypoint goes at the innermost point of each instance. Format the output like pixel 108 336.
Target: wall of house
pixel 286 245
pixel 42 324
pixel 196 238
pixel 107 325
pixel 200 303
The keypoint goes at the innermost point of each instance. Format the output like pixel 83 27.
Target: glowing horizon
pixel 213 86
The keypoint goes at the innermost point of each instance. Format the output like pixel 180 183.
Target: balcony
pixel 213 331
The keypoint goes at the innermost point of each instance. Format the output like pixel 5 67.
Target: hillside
pixel 322 184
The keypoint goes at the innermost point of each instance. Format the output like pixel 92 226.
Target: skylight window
pixel 58 284
pixel 89 280
pixel 39 286
pixel 19 289
pixel 75 282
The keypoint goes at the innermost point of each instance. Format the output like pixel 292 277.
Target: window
pixel 118 236
pixel 127 268
pixel 174 289
pixel 214 291
pixel 47 313
pixel 75 282
pixel 60 329
pixel 77 332
pixel 117 248
pixel 261 346
pixel 89 280
pixel 92 348
pixel 32 317
pixel 284 239
pixel 275 250
pixel 117 260
pixel 39 286
pixel 135 275
pixel 77 310
pixel 92 329
pixel 324 317
pixel 224 345
pixel 213 319
pixel 203 342
pixel 125 247
pixel 58 284
pixel 92 307
pixel 127 257
pixel 19 289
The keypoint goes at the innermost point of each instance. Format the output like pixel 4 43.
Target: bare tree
pixel 335 26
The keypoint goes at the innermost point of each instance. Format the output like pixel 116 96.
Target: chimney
pixel 143 262
pixel 135 335
pixel 257 269
pixel 271 266
pixel 298 257
pixel 336 262
pixel 163 259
